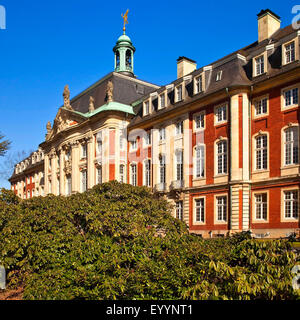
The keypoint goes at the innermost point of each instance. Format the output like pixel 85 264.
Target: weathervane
pixel 125 17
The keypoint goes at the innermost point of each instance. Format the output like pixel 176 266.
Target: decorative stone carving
pixel 66 96
pixel 68 167
pixel 92 104
pixel 109 91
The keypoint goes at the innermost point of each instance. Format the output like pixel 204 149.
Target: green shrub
pixel 117 241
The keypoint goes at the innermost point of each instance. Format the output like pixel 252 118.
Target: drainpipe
pixel 229 162
pixel 250 151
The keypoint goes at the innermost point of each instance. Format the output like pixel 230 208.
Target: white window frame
pixel 261 151
pixel 83 181
pixel 201 212
pixel 223 159
pixel 223 106
pixel 99 169
pixel 284 52
pixel 147 173
pixel 284 201
pixel 293 146
pixel 179 165
pixel 179 128
pixel 177 93
pixel 68 185
pixel 199 161
pixel 199 85
pixel 162 137
pixel 294 98
pixel 133 145
pixel 195 116
pixel 260 206
pixel 217 206
pixel 159 102
pixel 179 210
pixel 259 104
pixel 219 75
pixel 122 173
pixel 162 168
pixel 133 175
pixel 146 107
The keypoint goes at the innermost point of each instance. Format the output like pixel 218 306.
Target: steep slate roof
pixel 236 71
pixel 126 90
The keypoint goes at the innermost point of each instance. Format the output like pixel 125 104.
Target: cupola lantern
pixel 124 51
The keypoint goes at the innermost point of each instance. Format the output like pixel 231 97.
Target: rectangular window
pixel 147 173
pixel 261 106
pixel 69 185
pixel 179 93
pixel 162 169
pixel 199 121
pixel 261 206
pixel 133 174
pixel 162 134
pixel 133 144
pixel 221 208
pixel 146 108
pixel 179 210
pixel 179 165
pixel 291 146
pixel 83 181
pixel 219 75
pixel 199 210
pixel 99 175
pixel 179 128
pixel 99 147
pixel 290 52
pixel 291 204
pixel 200 162
pixel 121 142
pixel 122 173
pixel 221 113
pixel 148 138
pixel 291 97
pixel 199 84
pixel 261 152
pixel 83 151
pixel 259 65
pixel 222 157
pixel 162 100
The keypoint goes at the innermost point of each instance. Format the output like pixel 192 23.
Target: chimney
pixel 185 66
pixel 268 24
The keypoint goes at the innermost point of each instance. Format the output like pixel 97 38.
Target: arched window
pixel 118 59
pixel 128 58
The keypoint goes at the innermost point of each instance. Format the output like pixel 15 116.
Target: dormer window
pixel 179 93
pixel 219 75
pixel 146 108
pixel 162 100
pixel 259 65
pixel 198 84
pixel 289 52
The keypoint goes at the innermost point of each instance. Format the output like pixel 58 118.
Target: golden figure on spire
pixel 125 17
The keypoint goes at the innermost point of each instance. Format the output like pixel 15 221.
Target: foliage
pixel 4 145
pixel 117 241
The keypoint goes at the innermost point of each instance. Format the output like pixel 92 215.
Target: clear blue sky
pixel 48 44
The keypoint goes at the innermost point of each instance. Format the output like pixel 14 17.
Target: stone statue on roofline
pixel 109 91
pixel 66 96
pixel 92 104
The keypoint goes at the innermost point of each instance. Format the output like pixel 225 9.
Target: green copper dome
pixel 124 38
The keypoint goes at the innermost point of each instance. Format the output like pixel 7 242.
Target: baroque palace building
pixel 220 142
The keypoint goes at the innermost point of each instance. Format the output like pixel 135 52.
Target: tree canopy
pixel 117 241
pixel 4 145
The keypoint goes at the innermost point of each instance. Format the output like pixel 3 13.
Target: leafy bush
pixel 117 241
